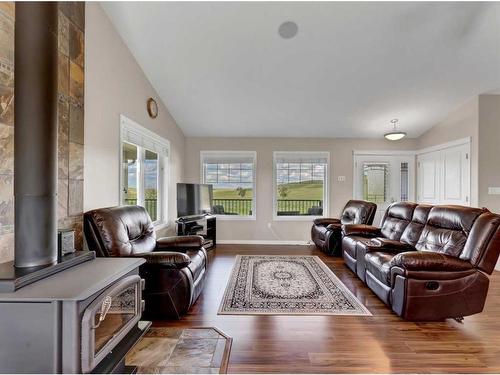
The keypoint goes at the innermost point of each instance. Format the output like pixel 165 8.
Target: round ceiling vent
pixel 288 29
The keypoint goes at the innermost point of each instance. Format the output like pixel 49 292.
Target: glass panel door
pixel 110 320
pixel 151 168
pixel 130 174
pixel 375 182
pixel 383 179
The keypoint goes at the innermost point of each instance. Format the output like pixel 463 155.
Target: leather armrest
pixel 429 261
pixel 167 259
pixel 360 230
pixel 324 221
pixel 179 242
pixel 385 244
pixel 334 226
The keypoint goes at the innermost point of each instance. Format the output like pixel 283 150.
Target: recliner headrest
pixel 401 210
pixel 358 212
pixel 421 213
pixel 454 217
pixel 122 230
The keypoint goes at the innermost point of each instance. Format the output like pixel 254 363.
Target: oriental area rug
pixel 286 285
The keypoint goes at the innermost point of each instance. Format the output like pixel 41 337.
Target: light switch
pixel 494 190
pixel 341 178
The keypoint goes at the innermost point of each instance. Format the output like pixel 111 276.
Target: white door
pixel 384 179
pixel 456 175
pixel 444 176
pixel 428 178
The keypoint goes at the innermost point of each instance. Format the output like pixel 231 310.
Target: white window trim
pixel 254 187
pixel 162 148
pixel 326 192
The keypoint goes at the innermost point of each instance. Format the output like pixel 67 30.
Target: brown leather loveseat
pixel 175 266
pixel 326 232
pixel 426 262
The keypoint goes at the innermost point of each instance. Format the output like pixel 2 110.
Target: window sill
pixel 296 218
pixel 235 217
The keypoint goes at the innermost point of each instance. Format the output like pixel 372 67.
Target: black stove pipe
pixel 35 134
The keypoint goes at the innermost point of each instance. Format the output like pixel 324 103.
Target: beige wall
pixel 114 85
pixel 489 156
pixel 340 165
pixel 461 123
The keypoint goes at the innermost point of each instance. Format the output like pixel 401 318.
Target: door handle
pixel 105 306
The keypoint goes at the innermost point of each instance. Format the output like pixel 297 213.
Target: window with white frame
pixel 300 184
pixel 232 175
pixel 144 165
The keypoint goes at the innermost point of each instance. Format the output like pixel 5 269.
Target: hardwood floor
pixel 382 343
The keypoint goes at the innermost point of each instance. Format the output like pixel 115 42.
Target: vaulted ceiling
pixel 223 70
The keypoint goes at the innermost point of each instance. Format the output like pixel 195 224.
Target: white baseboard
pixel 262 242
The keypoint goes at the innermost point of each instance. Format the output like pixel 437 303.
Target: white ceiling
pixel 222 69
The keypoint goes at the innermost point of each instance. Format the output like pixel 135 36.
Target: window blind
pixel 142 137
pixel 301 157
pixel 227 157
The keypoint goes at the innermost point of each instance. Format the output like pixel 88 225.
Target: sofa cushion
pixel 393 228
pixel 168 259
pixel 360 230
pixel 358 212
pixel 429 261
pixel 457 218
pixel 119 231
pixel 441 240
pixel 320 231
pixel 179 242
pixel 385 244
pixel 401 210
pixel 414 229
pixel 483 244
pixel 324 221
pixel 447 229
pixel 396 219
pixel 318 235
pixel 198 262
pixel 378 263
pixel 349 244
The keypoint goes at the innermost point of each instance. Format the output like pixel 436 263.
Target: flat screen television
pixel 194 199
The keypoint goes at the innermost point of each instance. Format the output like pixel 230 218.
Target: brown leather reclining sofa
pixel 326 233
pixel 426 262
pixel 175 267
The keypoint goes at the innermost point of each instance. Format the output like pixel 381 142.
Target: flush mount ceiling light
pixel 395 134
pixel 288 29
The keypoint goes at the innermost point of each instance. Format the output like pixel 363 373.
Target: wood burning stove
pixel 83 319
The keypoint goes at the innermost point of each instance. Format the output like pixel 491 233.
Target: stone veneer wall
pixel 70 122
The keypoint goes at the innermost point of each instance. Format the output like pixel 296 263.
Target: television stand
pixel 205 226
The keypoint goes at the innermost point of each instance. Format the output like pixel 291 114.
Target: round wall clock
pixel 152 108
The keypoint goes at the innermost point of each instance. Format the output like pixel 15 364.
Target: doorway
pixel 384 179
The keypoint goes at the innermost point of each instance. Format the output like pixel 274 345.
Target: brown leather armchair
pixel 175 267
pixel 427 262
pixel 326 232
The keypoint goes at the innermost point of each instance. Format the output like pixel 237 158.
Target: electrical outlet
pixel 494 190
pixel 341 178
pixel 269 225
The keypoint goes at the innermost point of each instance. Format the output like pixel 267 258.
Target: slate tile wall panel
pixel 70 122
